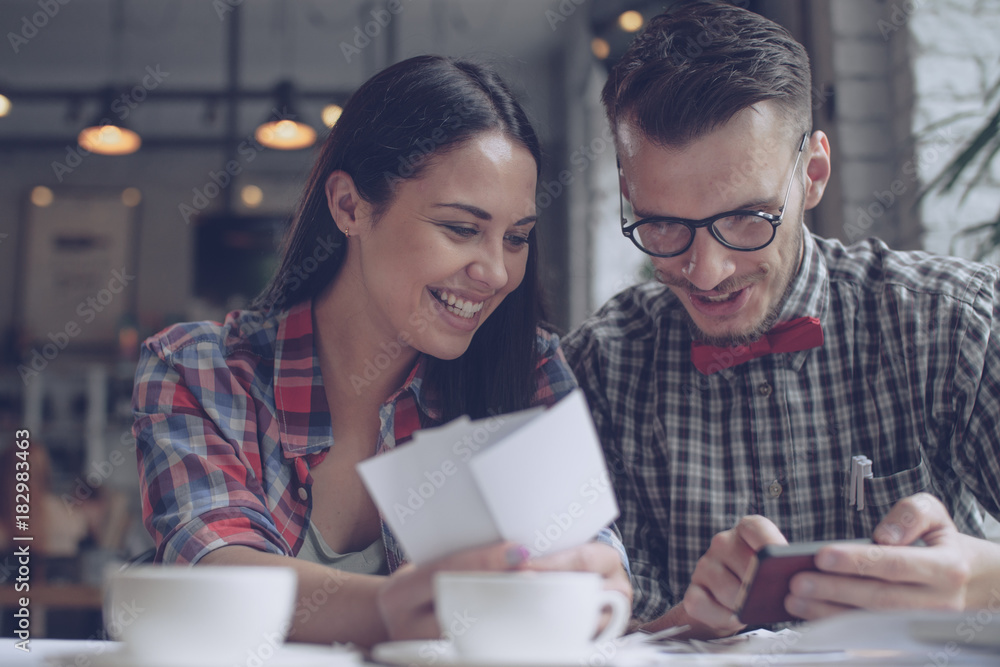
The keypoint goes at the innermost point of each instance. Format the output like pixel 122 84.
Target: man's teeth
pixel 720 298
pixel 459 306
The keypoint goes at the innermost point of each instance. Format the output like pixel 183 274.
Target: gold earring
pixel 347 232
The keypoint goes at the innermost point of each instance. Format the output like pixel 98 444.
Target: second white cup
pixel 497 617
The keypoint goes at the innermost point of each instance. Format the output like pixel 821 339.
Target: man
pixel 857 351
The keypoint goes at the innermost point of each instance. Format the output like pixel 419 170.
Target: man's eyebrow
pixel 484 215
pixel 755 205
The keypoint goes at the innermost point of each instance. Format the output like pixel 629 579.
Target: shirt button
pixel 303 494
pixel 764 389
pixel 774 490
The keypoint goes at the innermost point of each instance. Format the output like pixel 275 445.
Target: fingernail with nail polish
pixel 517 555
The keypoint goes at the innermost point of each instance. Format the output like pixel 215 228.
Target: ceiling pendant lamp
pixel 107 135
pixel 282 131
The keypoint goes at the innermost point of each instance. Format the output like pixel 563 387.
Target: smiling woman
pixel 422 306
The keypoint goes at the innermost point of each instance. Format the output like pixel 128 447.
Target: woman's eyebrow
pixel 474 210
pixel 484 215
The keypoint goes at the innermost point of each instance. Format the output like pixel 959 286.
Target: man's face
pixel 731 297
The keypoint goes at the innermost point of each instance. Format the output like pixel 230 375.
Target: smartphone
pixel 765 586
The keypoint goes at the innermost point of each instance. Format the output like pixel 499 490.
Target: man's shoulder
pixel 871 264
pixel 635 314
pixel 246 330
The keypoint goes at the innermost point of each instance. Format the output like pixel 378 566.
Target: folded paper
pixel 535 477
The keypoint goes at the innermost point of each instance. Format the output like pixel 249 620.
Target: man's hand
pixel 953 571
pixel 710 601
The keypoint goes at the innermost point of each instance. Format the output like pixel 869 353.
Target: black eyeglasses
pixel 737 230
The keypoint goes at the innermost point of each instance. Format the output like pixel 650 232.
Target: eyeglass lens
pixel 740 231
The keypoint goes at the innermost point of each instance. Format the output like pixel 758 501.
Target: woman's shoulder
pixel 251 330
pixel 546 341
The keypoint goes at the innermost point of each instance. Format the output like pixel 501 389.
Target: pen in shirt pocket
pixel 861 469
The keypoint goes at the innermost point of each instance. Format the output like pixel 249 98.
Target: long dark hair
pixel 390 128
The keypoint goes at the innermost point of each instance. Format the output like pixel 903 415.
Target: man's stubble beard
pixel 770 318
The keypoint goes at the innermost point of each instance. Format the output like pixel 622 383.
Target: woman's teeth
pixel 458 306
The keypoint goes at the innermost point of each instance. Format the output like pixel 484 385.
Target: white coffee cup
pixel 172 614
pixel 497 617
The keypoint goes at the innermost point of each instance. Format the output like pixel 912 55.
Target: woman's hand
pixel 591 557
pixel 406 599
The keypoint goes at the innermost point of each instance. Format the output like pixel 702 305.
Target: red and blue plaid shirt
pixel 231 417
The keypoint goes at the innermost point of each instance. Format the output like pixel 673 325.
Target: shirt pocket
pixel 881 493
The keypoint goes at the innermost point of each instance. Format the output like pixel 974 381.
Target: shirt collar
pixel 428 401
pixel 809 296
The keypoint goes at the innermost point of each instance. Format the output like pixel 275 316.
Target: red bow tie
pixel 803 333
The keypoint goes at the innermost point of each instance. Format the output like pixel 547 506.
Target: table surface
pixel 867 638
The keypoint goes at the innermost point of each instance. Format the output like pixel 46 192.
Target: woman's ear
pixel 818 168
pixel 344 202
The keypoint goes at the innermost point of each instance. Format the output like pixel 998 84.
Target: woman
pixel 406 296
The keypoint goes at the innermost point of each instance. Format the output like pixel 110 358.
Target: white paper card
pixel 535 477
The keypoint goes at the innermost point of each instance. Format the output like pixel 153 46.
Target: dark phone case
pixel 766 583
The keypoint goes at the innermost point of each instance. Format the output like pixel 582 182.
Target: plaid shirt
pixel 909 375
pixel 231 417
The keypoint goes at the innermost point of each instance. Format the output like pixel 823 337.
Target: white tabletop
pixel 908 638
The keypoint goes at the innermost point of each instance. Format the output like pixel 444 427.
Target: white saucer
pixel 287 655
pixel 442 653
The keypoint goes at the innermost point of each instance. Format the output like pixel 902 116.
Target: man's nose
pixel 707 262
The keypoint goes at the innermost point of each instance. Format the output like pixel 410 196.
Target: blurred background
pixel 98 251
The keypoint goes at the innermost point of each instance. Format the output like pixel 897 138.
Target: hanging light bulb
pixel 630 21
pixel 107 135
pixel 4 105
pixel 600 47
pixel 283 132
pixel 331 114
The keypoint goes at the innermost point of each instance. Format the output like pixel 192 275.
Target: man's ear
pixel 623 184
pixel 344 202
pixel 818 168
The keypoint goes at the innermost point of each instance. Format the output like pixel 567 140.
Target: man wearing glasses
pixel 736 394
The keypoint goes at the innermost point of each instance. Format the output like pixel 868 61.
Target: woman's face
pixel 448 250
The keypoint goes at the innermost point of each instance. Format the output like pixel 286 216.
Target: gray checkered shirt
pixel 907 375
